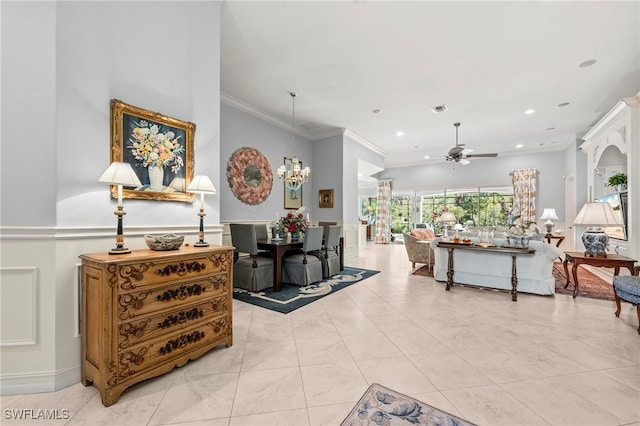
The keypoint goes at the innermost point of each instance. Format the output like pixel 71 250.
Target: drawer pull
pixel 181 268
pixel 181 317
pixel 181 293
pixel 181 342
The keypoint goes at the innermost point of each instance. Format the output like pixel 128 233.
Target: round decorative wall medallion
pixel 249 176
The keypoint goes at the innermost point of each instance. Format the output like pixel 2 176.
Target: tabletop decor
pixel 296 223
pixel 158 148
pixel 164 242
pixel 249 175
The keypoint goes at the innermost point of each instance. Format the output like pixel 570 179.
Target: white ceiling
pixel 487 61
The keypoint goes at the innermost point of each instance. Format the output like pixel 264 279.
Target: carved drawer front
pixel 139 303
pixel 167 348
pixel 139 275
pixel 150 327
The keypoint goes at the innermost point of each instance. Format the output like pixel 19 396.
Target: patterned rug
pixel 591 285
pixel 293 297
pixel 383 406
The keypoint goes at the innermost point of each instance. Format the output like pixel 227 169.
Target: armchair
pixel 418 249
pixel 627 288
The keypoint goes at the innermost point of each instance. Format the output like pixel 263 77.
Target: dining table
pixel 279 248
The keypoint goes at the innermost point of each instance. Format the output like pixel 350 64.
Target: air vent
pixel 438 108
pixel 310 126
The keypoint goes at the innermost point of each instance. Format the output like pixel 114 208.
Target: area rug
pixel 591 285
pixel 293 297
pixel 423 271
pixel 382 406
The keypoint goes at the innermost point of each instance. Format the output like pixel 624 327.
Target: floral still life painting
pixel 158 148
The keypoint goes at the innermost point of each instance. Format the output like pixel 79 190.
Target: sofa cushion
pixel 423 234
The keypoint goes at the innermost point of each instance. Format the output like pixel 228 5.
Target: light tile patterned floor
pixel 473 353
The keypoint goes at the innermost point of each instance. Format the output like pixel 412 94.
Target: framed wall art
pixel 292 199
pixel 249 175
pixel 325 198
pixel 159 149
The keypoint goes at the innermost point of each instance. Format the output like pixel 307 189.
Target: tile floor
pixel 473 353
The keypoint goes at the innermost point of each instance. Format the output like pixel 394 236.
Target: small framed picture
pixel 325 198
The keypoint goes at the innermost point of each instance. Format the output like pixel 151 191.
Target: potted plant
pixel 618 181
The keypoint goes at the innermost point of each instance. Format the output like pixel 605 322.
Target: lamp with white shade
pixel 120 174
pixel 201 184
pixel 549 214
pixel 594 216
pixel 447 218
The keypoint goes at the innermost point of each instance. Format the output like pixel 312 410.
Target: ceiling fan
pixel 460 154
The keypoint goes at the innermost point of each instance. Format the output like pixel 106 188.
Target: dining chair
pixel 305 268
pixel 627 288
pixel 331 252
pixel 252 272
pixel 325 228
pixel 262 234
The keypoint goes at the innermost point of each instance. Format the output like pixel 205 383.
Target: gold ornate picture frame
pixel 292 199
pixel 325 198
pixel 159 149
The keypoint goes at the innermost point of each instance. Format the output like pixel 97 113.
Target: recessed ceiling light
pixel 438 108
pixel 399 133
pixel 377 111
pixel 588 63
pixel 519 145
pixel 564 104
pixel 426 157
pixel 530 111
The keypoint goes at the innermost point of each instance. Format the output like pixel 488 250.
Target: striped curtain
pixel 524 196
pixel 383 215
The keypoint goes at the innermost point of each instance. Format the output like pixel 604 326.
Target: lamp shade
pixel 120 174
pixel 447 217
pixel 597 214
pixel 549 214
pixel 201 184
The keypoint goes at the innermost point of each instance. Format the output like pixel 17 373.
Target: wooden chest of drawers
pixel 146 312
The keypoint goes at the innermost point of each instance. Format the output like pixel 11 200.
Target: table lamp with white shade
pixel 447 218
pixel 201 184
pixel 595 216
pixel 120 174
pixel 549 214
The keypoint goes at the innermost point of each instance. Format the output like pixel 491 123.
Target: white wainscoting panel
pixel 19 306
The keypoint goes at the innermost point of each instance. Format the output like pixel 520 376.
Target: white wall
pixel 62 63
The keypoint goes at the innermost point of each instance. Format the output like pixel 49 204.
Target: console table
pixel 147 312
pixel 615 261
pixel 514 252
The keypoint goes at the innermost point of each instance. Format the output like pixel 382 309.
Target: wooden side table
pixel 550 237
pixel 615 261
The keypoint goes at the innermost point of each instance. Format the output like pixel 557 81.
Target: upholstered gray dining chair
pixel 627 288
pixel 305 268
pixel 331 252
pixel 252 272
pixel 325 228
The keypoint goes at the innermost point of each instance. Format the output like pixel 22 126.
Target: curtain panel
pixel 524 196
pixel 383 214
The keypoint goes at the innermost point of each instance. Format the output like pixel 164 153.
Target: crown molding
pixel 363 142
pixel 262 115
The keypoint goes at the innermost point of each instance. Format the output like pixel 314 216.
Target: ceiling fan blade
pixel 464 161
pixel 493 154
pixel 466 151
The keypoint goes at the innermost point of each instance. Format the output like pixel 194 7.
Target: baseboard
pixel 39 381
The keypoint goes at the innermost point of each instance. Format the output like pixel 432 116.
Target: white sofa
pixel 494 270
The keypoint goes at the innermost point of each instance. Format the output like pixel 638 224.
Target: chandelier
pixel 294 175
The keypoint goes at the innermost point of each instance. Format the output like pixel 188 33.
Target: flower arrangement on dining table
pixel 151 147
pixel 295 222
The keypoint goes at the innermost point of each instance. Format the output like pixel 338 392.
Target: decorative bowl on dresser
pixel 147 312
